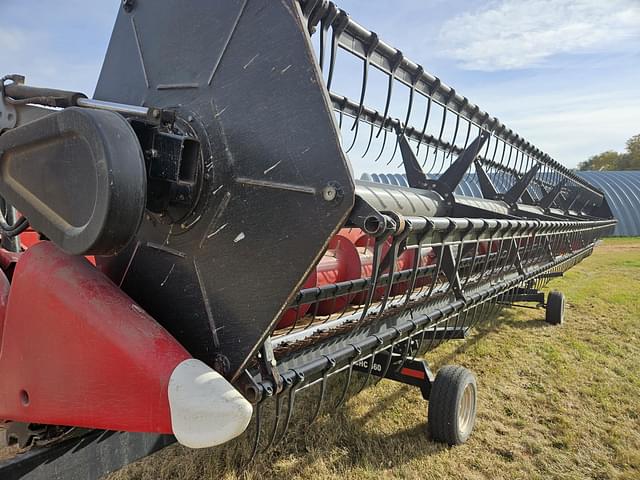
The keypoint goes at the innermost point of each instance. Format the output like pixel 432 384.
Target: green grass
pixel 554 402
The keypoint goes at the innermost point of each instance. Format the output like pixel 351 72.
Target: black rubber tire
pixel 555 308
pixel 445 402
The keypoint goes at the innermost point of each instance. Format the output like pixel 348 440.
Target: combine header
pixel 191 245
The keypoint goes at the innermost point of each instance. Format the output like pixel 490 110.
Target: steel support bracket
pixel 487 187
pixel 446 183
pixel 518 190
pixel 415 372
pixel 450 269
pixel 548 200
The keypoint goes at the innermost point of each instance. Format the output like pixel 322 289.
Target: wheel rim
pixel 467 409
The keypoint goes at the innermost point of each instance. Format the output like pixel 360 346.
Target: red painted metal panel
pixel 413 373
pixel 340 263
pixel 4 298
pixel 77 351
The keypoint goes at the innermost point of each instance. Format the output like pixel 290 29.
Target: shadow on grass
pixel 339 431
pixel 508 317
pixel 361 434
pixel 348 428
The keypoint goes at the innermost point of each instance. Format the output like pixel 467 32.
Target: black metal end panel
pixel 78 176
pixel 276 184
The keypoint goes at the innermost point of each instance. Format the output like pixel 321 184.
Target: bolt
pixel 333 192
pixel 128 5
pixel 329 193
pixel 190 118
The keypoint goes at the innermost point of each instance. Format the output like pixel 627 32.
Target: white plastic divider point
pixel 206 410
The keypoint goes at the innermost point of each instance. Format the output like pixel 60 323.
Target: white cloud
pixel 512 34
pixel 573 127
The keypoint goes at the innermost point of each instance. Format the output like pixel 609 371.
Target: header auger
pixel 192 242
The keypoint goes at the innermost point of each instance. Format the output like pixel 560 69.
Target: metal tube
pixel 113 107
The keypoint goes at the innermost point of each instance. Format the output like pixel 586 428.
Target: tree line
pixel 610 160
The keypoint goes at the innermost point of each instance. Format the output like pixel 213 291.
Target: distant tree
pixel 633 152
pixel 610 160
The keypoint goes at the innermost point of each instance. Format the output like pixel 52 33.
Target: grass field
pixel 554 402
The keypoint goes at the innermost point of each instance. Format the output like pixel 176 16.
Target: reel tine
pixel 325 23
pixel 346 296
pixel 290 404
pixel 355 136
pixel 455 135
pixel 384 142
pixel 323 387
pixel 341 112
pixel 466 137
pixel 475 255
pixel 444 156
pixel 497 260
pixel 397 60
pixel 395 149
pixel 502 171
pixel 375 274
pixel 445 109
pixel 416 262
pixel 495 150
pixel 389 358
pixel 370 136
pixel 343 396
pixel 392 264
pixel 487 255
pixel 314 313
pixel 276 422
pixel 510 154
pixel 435 86
pixel 507 258
pixel 256 441
pixel 486 147
pixel 438 268
pixel 370 369
pixel 446 329
pixel 412 91
pixel 295 322
pixel 338 26
pixel 474 318
pixel 426 157
pixel 435 159
pixel 371 47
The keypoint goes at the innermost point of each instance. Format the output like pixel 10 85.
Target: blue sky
pixel 565 74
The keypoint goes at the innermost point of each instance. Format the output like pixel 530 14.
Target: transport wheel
pixel 452 405
pixel 555 308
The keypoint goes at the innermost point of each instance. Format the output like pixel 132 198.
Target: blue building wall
pixel 622 190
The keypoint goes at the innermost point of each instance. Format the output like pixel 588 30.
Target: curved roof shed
pixel 622 189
